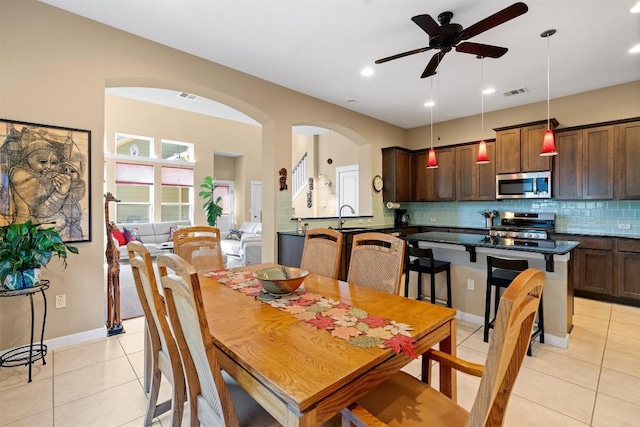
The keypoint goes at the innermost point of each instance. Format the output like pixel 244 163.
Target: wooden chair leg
pixel 406 282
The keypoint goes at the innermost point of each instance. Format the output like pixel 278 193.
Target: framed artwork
pixel 45 177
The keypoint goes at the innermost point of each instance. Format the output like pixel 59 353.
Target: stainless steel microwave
pixel 527 185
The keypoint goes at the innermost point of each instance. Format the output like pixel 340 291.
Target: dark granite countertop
pixel 555 247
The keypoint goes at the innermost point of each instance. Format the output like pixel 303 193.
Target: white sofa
pixel 152 235
pixel 249 247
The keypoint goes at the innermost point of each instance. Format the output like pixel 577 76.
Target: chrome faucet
pixel 340 220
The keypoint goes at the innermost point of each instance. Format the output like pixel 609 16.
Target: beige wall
pixel 54 67
pixel 612 103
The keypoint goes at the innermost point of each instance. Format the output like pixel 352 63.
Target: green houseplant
pixel 24 249
pixel 211 202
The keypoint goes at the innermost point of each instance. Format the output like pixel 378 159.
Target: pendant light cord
pixel 482 95
pixel 431 127
pixel 548 91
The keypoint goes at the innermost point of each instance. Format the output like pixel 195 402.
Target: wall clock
pixel 377 183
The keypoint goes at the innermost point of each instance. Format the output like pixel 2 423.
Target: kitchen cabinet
pixel 593 266
pixel 438 184
pixel 628 269
pixel 627 170
pixel 584 165
pixel 474 181
pixel 518 148
pixel 397 172
pixel 425 183
pixel 446 174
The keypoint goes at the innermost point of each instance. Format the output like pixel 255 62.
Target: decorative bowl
pixel 281 280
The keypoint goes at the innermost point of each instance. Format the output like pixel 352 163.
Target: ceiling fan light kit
pixel 448 36
pixel 549 141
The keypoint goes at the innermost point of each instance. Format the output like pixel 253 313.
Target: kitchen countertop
pixel 548 248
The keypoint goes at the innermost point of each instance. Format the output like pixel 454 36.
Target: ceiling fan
pixel 448 35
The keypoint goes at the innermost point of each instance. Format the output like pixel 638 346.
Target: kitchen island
pixel 467 254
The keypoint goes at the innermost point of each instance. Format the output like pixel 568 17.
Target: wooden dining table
pixel 301 374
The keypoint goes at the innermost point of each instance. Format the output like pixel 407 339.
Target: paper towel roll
pixel 393 205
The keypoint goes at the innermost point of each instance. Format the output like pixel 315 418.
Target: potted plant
pixel 24 249
pixel 211 206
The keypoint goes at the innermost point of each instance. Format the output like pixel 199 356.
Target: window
pixel 174 150
pixel 177 193
pixel 133 187
pixel 132 145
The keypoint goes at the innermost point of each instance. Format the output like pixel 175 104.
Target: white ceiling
pixel 318 47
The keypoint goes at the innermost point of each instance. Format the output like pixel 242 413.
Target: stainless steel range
pixel 525 225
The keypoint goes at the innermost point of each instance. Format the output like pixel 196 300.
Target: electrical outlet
pixel 624 226
pixel 61 301
pixel 368 220
pixel 433 220
pixel 471 284
pixel 360 221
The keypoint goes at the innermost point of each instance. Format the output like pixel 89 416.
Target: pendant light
pixel 549 141
pixel 432 163
pixel 483 156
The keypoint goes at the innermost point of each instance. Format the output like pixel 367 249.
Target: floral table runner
pixel 354 325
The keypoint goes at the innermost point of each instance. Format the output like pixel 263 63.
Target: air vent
pixel 190 96
pixel 515 91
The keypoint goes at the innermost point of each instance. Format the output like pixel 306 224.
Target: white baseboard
pixel 78 338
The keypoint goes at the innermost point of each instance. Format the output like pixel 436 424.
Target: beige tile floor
pixel 596 382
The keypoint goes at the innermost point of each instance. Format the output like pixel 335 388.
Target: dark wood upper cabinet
pixel 446 174
pixel 518 148
pixel 567 176
pixel 597 162
pixel 425 178
pixel 473 181
pixel 397 172
pixel 627 162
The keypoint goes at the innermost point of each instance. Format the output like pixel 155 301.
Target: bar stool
pixel 500 274
pixel 424 263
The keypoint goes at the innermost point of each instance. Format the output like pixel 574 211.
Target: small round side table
pixel 27 354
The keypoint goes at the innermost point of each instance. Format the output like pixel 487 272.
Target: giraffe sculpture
pixel 114 324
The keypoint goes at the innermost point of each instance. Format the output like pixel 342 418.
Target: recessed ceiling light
pixel 367 72
pixel 488 91
pixel 635 49
pixel 635 9
pixel 429 104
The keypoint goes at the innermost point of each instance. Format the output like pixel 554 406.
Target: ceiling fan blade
pixel 494 20
pixel 481 50
pixel 428 25
pixel 433 64
pixel 402 55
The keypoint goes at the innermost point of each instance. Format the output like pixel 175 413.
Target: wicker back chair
pixel 322 251
pixel 403 400
pixel 200 246
pixel 211 392
pixel 164 354
pixel 376 261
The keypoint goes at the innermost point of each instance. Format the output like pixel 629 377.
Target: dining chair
pixel 403 400
pixel 199 245
pixel 376 261
pixel 164 354
pixel 214 398
pixel 322 252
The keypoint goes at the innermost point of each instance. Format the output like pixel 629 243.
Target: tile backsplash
pixel 609 218
pixel 597 217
